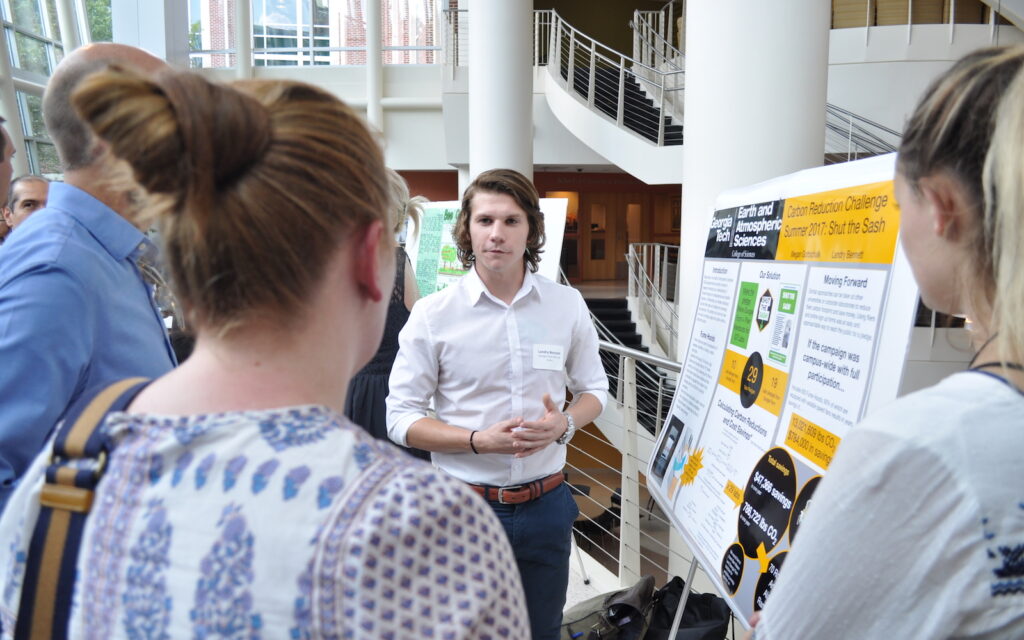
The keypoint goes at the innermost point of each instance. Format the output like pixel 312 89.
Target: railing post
pixel 556 39
pixel 661 391
pixel 619 390
pixel 657 270
pixel 671 24
pixel 849 138
pixel 629 529
pixel 593 67
pixel 637 25
pixel 663 271
pixel 536 38
pixel 570 77
pixel 952 20
pixel 620 108
pixel 661 115
pixel 632 272
pixel 910 19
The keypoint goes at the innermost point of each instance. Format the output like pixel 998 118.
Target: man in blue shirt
pixel 75 311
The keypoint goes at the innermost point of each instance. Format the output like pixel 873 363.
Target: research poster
pixel 436 261
pixel 802 324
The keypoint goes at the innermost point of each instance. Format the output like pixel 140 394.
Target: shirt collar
pixel 119 237
pixel 476 289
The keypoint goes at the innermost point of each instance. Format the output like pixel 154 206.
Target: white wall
pixel 880 72
pixel 876 72
pixel 417 134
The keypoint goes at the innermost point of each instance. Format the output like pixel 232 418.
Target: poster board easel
pixel 802 326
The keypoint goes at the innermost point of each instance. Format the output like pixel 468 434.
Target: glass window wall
pixel 313 32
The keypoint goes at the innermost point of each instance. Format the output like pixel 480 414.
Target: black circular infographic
pixel 800 506
pixel 732 568
pixel 767 503
pixel 750 380
pixel 766 582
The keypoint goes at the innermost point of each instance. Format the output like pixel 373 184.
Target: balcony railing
pixel 652 286
pixel 619 527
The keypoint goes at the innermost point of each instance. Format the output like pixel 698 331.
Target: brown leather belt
pixel 519 493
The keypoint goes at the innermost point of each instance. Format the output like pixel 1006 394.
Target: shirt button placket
pixel 516 390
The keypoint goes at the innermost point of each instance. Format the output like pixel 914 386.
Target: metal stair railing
pixel 619 526
pixel 638 98
pixel 848 136
pixel 652 268
pixel 655 386
pixel 602 77
pixel 650 45
pixel 862 137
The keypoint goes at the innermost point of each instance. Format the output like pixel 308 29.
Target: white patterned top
pixel 290 523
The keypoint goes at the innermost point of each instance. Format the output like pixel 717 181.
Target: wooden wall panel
pixel 849 13
pixel 929 12
pixel 891 12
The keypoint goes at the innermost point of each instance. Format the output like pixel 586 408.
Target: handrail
pixel 669 3
pixel 640 356
pixel 661 314
pixel 668 44
pixel 623 57
pixel 872 123
pixel 637 97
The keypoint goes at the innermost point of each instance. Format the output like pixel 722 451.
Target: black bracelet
pixel 471 445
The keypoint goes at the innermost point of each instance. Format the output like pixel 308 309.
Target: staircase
pixel 653 386
pixel 614 314
pixel 629 109
pixel 640 115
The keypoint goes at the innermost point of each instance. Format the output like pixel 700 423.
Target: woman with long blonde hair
pixel 917 530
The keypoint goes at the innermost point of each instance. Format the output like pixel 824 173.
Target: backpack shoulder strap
pixel 77 463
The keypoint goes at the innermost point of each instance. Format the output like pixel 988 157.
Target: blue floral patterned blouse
pixel 288 523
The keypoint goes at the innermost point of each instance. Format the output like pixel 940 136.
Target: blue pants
pixel 540 532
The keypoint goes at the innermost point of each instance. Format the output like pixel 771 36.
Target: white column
pixel 374 66
pixel 500 86
pixel 243 38
pixel 754 109
pixel 68 26
pixel 464 180
pixel 83 22
pixel 158 26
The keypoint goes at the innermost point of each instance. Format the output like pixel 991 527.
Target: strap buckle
pixel 57 460
pixel 66 498
pixel 502 490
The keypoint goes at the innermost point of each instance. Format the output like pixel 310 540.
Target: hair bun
pixel 183 136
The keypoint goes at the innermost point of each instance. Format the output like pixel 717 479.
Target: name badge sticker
pixel 548 356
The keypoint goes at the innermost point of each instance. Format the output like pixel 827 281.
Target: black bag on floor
pixel 706 616
pixel 620 615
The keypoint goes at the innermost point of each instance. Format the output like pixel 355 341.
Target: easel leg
pixel 579 560
pixel 682 600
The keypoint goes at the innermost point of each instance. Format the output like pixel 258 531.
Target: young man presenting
pixel 496 352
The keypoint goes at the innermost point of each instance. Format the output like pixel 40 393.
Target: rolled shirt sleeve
pixel 413 377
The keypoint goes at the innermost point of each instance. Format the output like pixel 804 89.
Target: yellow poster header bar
pixel 855 225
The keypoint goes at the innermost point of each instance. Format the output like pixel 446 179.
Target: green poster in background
pixel 437 259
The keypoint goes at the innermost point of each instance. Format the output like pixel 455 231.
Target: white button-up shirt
pixel 483 361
